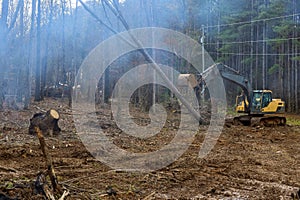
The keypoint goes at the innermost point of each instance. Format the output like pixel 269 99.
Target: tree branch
pixel 48 158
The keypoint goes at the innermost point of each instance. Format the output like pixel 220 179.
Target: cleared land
pixel 246 163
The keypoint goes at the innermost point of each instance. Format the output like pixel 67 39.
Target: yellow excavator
pixel 262 105
pixel 257 104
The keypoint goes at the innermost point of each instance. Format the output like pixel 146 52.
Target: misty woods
pixel 44 42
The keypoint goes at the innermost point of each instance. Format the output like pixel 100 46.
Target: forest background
pixel 43 42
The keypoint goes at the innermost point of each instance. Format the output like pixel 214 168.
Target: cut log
pixel 47 122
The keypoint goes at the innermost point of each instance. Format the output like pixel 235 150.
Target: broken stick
pixel 50 168
pixel 8 169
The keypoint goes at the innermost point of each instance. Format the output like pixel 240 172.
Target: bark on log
pixel 46 122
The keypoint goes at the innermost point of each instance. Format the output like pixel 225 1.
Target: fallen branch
pixel 8 169
pixel 66 193
pixel 149 196
pixel 39 108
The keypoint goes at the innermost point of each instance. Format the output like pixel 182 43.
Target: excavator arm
pixel 233 76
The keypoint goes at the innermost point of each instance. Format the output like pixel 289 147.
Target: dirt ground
pixel 246 163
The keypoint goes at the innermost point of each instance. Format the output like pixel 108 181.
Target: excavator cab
pixel 261 103
pixel 260 100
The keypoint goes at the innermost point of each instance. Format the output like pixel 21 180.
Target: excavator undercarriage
pixel 256 120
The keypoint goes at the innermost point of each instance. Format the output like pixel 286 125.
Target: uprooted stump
pixel 47 122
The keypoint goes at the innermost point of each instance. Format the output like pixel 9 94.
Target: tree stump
pixel 47 122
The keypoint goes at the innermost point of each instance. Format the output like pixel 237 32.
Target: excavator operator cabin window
pixel 267 98
pixel 257 100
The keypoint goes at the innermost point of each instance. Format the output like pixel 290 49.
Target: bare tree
pixel 3 29
pixel 45 58
pixel 38 96
pixel 28 64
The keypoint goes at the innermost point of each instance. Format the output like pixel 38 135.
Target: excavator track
pixel 242 120
pixel 249 120
pixel 273 121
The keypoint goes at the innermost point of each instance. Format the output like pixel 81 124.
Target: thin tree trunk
pixel 264 57
pixel 4 15
pixel 3 32
pixel 288 78
pixel 63 43
pixel 256 58
pixel 3 46
pixel 22 51
pixel 296 62
pixel 38 54
pixel 251 46
pixel 218 39
pixel 45 59
pixel 29 62
pixel 296 86
pixel 154 89
pixel 74 60
pixel 281 72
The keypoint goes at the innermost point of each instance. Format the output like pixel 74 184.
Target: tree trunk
pixel 289 82
pixel 28 64
pixel 295 62
pixel 251 46
pixel 281 72
pixel 4 15
pixel 264 57
pixel 38 96
pixel 21 89
pixel 45 59
pixel 3 46
pixel 3 35
pixel 256 58
pixel 63 43
pixel 296 89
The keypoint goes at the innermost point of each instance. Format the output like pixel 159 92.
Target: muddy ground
pixel 246 163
